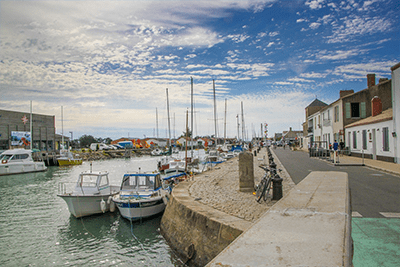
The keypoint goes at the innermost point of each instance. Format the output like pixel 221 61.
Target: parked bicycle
pixel 264 188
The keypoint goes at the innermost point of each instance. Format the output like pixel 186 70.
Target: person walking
pixel 335 149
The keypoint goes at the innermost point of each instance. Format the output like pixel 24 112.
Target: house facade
pixel 396 111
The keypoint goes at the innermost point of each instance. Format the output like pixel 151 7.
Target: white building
pixel 372 137
pixel 396 110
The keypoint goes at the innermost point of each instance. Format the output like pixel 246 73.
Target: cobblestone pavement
pixel 219 188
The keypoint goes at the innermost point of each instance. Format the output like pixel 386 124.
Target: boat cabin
pixel 15 156
pixel 141 181
pixel 92 183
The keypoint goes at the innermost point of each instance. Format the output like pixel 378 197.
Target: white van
pixel 98 146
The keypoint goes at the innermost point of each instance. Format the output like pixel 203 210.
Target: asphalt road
pixel 373 192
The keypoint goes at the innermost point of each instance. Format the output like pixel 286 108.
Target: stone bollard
pixel 246 172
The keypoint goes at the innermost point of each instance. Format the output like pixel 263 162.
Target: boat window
pixel 129 182
pixel 103 180
pixel 5 157
pixel 88 181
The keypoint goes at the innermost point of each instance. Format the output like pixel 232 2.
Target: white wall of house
pixel 370 139
pixel 326 126
pixel 396 111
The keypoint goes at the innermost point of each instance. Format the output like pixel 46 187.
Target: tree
pixel 86 140
pixel 189 134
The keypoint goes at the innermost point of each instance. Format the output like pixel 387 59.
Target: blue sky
pixel 108 63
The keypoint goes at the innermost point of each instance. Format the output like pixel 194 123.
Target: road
pixel 375 201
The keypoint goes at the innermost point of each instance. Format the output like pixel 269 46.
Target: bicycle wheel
pixel 260 190
pixel 267 190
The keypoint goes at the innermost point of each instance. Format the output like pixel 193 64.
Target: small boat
pixel 141 195
pixel 16 161
pixel 175 165
pixel 91 195
pixel 157 152
pixel 67 158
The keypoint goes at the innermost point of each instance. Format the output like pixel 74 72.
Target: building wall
pixel 374 135
pixel 383 90
pixel 43 128
pixel 396 108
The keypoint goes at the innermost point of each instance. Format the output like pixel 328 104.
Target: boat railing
pixel 65 188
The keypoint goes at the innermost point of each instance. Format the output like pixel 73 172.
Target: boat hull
pixel 137 209
pixel 11 168
pixel 86 205
pixel 66 162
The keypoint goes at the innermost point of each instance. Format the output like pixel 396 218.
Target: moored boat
pixel 91 195
pixel 141 195
pixel 67 158
pixel 17 161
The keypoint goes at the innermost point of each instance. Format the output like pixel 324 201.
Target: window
pixel 336 114
pixel 364 139
pixel 355 110
pixel 354 139
pixel 385 136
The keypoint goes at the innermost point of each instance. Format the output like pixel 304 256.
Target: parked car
pixel 99 146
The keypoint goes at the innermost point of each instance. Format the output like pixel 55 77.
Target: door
pixel 373 144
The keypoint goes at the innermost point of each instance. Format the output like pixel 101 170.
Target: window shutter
pixel 363 112
pixel 348 111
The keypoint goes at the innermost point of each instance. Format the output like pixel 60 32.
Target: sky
pixel 107 64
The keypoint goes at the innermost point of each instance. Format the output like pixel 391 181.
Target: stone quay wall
pixel 206 214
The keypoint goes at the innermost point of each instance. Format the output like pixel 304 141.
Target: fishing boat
pixel 92 194
pixel 67 158
pixel 157 152
pixel 141 195
pixel 16 161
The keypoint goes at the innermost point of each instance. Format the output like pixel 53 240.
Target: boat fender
pixel 103 206
pixel 164 197
pixel 111 203
pixel 112 206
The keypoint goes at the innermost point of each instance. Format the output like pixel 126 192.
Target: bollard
pixel 255 152
pixel 272 165
pixel 277 188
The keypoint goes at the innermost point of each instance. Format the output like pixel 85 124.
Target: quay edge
pixel 197 232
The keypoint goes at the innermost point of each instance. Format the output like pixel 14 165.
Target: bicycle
pixel 264 187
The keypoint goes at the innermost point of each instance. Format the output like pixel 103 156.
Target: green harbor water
pixel 36 228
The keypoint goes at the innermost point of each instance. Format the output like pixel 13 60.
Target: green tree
pixel 86 140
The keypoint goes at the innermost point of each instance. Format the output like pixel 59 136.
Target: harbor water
pixel 36 228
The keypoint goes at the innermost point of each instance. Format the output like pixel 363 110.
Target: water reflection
pixel 38 230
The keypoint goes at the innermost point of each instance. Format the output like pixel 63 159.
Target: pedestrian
pixel 335 146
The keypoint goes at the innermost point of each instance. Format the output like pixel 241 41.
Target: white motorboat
pixel 157 152
pixel 16 161
pixel 142 195
pixel 91 195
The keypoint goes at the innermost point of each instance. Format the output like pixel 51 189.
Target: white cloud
pixel 315 4
pixel 315 25
pixel 354 26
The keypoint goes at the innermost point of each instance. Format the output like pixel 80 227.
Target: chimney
pixel 376 105
pixel 370 80
pixel 381 80
pixel 346 92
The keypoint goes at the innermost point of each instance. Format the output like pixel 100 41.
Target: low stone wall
pixel 197 232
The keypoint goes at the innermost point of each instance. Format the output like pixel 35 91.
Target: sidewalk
pixel 390 167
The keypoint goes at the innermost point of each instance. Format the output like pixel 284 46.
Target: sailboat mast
pixel 225 122
pixel 169 125
pixel 215 114
pixel 62 126
pixel 30 144
pixel 243 124
pixel 157 121
pixel 191 115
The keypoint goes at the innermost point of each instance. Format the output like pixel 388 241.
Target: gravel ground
pixel 219 188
